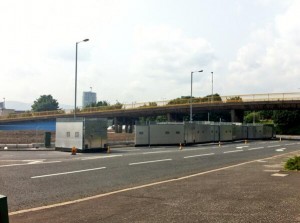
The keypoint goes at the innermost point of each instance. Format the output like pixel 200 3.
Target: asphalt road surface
pixel 32 179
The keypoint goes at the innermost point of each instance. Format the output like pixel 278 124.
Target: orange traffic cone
pixel 74 150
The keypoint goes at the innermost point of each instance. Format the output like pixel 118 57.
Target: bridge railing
pixel 164 103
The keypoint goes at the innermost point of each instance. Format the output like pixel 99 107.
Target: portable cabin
pixel 225 132
pixel 166 133
pixel 81 133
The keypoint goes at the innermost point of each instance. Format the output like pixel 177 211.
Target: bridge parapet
pixel 165 105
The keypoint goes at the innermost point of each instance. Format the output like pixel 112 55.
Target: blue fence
pixel 46 125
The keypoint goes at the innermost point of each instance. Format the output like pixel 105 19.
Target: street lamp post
pixel 212 87
pixel 85 40
pixel 191 102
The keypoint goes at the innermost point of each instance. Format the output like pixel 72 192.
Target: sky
pixel 145 50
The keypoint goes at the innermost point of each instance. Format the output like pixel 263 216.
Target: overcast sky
pixel 144 50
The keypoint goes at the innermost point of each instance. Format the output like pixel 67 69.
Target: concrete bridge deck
pixel 276 101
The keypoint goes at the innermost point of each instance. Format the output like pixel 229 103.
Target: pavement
pixel 253 191
pixel 288 137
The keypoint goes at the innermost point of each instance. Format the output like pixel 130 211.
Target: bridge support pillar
pixel 118 125
pixel 170 117
pixel 237 115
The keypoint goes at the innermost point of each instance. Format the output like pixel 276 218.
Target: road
pixel 37 178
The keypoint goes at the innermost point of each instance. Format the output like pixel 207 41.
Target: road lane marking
pixel 31 163
pixel 262 161
pixel 198 148
pixel 280 150
pixel 274 146
pixel 234 151
pixel 290 144
pixel 145 153
pixel 152 161
pixel 256 148
pixel 279 175
pixel 35 161
pixel 272 171
pixel 138 187
pixel 100 157
pixel 50 162
pixel 71 172
pixel 127 150
pixel 208 154
pixel 274 166
pixel 241 147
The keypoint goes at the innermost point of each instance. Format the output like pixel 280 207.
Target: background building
pixel 88 97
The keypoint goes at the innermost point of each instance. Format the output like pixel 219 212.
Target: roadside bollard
pixel 74 150
pixel 246 141
pixel 219 143
pixel 180 146
pixel 108 149
pixel 280 139
pixel 3 209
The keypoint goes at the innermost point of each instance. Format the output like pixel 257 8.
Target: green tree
pixel 182 100
pixel 118 105
pixel 235 99
pixel 209 98
pixel 249 116
pixel 98 104
pixel 150 104
pixel 45 103
pixel 287 122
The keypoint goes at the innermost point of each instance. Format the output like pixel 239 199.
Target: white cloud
pixel 145 51
pixel 270 61
pixel 164 58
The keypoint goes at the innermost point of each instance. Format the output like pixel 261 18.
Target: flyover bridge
pixel 237 104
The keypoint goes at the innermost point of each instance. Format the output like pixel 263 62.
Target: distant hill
pixel 21 106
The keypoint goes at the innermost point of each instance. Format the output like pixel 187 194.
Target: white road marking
pixel 272 171
pixel 157 152
pixel 273 166
pixel 234 151
pixel 152 161
pixel 31 163
pixel 279 175
pixel 198 148
pixel 208 154
pixel 50 162
pixel 71 172
pixel 274 146
pixel 256 148
pixel 127 150
pixel 241 147
pixel 35 162
pixel 100 157
pixel 262 161
pixel 280 150
pixel 290 144
pixel 137 187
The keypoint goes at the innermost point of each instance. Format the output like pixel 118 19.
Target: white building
pixel 88 97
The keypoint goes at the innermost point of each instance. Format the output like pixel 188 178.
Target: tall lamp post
pixel 212 87
pixel 85 40
pixel 191 104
